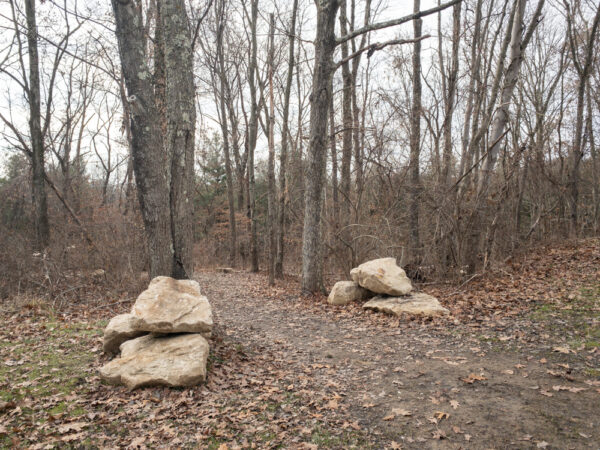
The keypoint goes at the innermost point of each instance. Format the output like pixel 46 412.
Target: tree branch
pixel 391 23
pixel 378 46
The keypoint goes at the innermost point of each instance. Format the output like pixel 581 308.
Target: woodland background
pixel 414 169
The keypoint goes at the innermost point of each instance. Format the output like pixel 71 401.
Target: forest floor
pixel 517 365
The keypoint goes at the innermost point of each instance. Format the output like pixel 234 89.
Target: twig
pixel 466 282
pixel 111 304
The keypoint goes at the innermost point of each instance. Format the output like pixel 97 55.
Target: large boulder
pixel 176 360
pixel 382 276
pixel 172 306
pixel 419 304
pixel 119 329
pixel 345 292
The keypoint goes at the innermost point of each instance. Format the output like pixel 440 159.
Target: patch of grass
pixel 592 372
pixel 347 439
pixel 49 368
pixel 577 317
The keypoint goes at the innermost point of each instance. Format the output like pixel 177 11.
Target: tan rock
pixel 152 360
pixel 172 306
pixel 419 304
pixel 119 329
pixel 382 276
pixel 344 292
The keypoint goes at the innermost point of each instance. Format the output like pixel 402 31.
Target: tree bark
pixel 40 202
pixel 450 95
pixel 225 133
pixel 285 136
pixel 252 136
pixel 271 213
pixel 576 154
pixel 325 43
pixel 181 128
pixel 346 134
pixel 151 164
pixel 415 142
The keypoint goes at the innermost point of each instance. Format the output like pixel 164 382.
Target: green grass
pixel 53 368
pixel 347 439
pixel 578 318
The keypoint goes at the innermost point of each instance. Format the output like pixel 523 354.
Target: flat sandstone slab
pixel 382 276
pixel 151 360
pixel 417 304
pixel 172 306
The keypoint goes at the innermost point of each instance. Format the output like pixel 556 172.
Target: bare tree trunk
pixel 334 169
pixel 181 129
pixel 40 202
pixel 583 70
pixel 252 136
pixel 285 136
pixel 518 42
pixel 510 81
pixel 325 43
pixel 415 142
pixel 357 129
pixel 271 213
pixel 225 133
pixel 595 165
pixel 150 163
pixel 346 134
pixel 450 95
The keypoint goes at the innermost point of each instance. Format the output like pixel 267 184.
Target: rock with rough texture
pixel 172 306
pixel 382 276
pixel 419 304
pixel 151 360
pixel 345 292
pixel 119 329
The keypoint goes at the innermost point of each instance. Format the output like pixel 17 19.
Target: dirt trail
pixel 418 385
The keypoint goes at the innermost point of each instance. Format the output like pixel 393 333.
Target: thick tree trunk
pixel 181 128
pixel 285 136
pixel 325 42
pixel 150 162
pixel 40 203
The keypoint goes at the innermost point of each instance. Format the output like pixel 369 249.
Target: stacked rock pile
pixel 388 288
pixel 162 341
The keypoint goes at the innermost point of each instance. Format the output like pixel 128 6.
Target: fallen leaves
pixel 72 426
pixel 564 350
pixel 568 388
pixel 5 406
pixel 397 412
pixel 440 415
pixel 472 378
